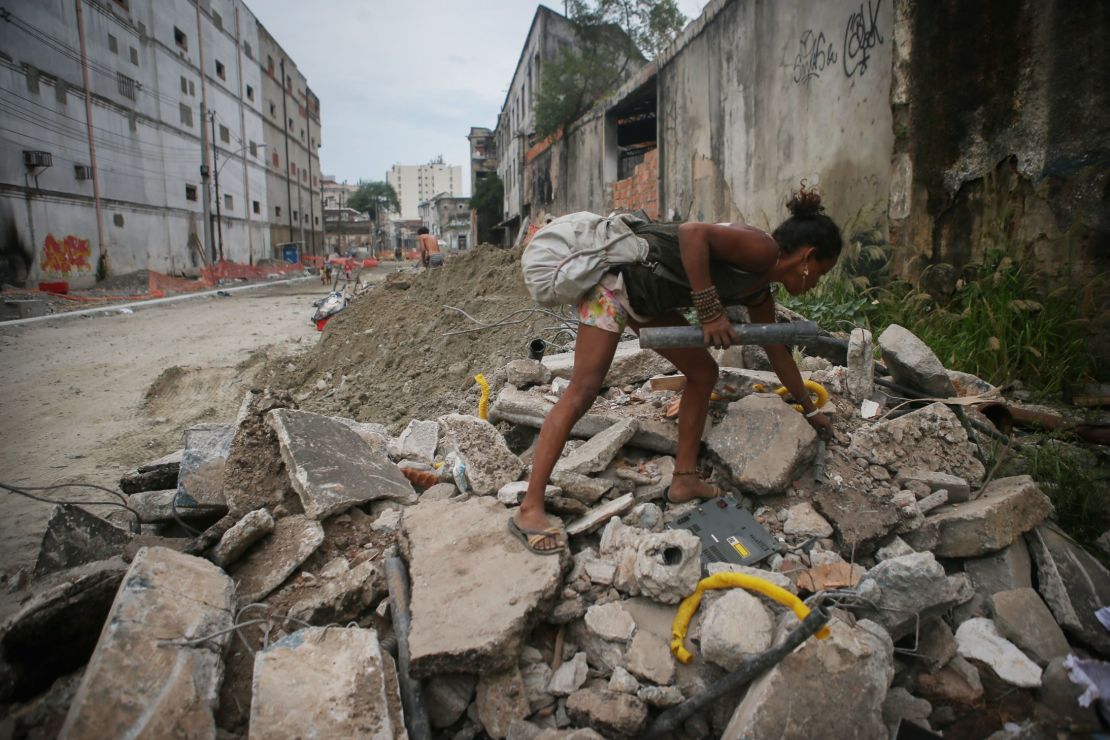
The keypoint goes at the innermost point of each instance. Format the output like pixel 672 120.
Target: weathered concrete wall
pixel 769 94
pixel 578 168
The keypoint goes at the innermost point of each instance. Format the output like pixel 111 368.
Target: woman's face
pixel 808 272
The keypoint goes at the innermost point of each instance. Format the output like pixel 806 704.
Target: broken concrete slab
pixel 610 621
pixel 322 682
pixel 200 479
pixel 936 645
pixel 374 435
pixel 475 588
pixel 912 585
pixel 274 559
pixel 1004 570
pixel 1005 509
pixel 447 696
pixel 958 682
pixel 157 475
pixel 141 681
pixel 611 713
pixel 342 598
pixel 159 507
pixel 762 443
pixel 255 475
pixel 529 408
pixel 1023 618
pixel 631 365
pixel 418 441
pixel 490 463
pixel 649 658
pixel 601 514
pixel 330 467
pixel 664 566
pixel 930 438
pixel 902 706
pixel 1073 583
pixel 598 451
pixel 569 677
pixel 979 639
pixel 525 371
pixel 831 688
pixel 244 533
pixel 860 518
pixel 582 488
pixel 958 488
pixel 735 627
pixel 913 364
pixel 75 537
pixel 861 365
pixel 803 521
pixel 502 698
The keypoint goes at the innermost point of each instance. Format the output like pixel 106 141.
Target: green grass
pixel 1077 492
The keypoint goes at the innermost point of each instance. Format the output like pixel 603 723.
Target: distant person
pixel 430 255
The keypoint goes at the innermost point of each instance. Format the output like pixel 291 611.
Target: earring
pixel 805 273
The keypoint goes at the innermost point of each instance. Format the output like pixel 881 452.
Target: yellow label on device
pixel 738 547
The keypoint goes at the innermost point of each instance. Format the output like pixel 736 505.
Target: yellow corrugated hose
pixel 483 402
pixel 690 605
pixel 822 395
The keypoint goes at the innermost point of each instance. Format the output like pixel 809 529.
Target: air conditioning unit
pixel 82 171
pixel 35 160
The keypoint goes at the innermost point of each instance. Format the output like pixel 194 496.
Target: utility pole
pixel 209 237
pixel 288 162
pixel 216 177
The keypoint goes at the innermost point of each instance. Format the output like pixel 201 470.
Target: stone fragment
pixel 611 713
pixel 649 658
pixel 762 443
pixel 418 441
pixel 244 533
pixel 631 365
pixel 501 699
pixel 374 435
pixel 930 438
pixel 978 639
pixel 1059 698
pixel 902 706
pixel 536 677
pixel 895 548
pixel 1073 584
pixel 581 487
pixel 342 598
pixel 267 566
pixel 159 507
pixel 200 479
pixel 610 621
pixel 861 365
pixel 569 677
pixel 830 576
pixel 957 683
pixel 623 681
pixel 912 585
pixel 597 452
pixel 157 475
pixel 860 518
pixel 661 697
pixel 330 467
pixel 911 363
pixel 439 492
pixel 666 566
pixel 476 589
pixel 1023 618
pixel 1006 508
pixel 780 580
pixel 447 696
pixel 526 371
pixel 802 520
pixel 735 627
pixel 932 501
pixel 387 522
pixel 1005 570
pixel 322 682
pixel 490 463
pixel 936 645
pixel 75 537
pixel 958 488
pixel 140 681
pixel 831 688
pixel 601 514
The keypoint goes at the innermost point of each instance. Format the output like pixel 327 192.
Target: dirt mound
pixel 385 359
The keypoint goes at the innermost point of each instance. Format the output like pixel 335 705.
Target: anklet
pixel 687 472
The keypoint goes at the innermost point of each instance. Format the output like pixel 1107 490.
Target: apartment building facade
pixel 417 183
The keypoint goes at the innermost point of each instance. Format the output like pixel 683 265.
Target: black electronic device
pixel 728 532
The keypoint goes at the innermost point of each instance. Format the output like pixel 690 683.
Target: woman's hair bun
pixel 805 202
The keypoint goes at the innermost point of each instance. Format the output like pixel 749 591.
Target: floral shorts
pixel 601 308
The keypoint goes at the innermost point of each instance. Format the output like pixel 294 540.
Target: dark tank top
pixel 662 285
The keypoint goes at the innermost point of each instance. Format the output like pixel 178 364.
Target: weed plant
pixel 1077 490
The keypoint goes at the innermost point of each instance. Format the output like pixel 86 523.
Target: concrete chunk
pixel 610 621
pixel 861 518
pixel 735 627
pixel 957 487
pixel 1005 570
pixel 631 365
pixel 601 514
pixel 75 537
pixel 861 365
pixel 611 713
pixel 158 507
pixel 910 585
pixel 475 588
pixel 978 639
pixel 802 520
pixel 913 364
pixel 1023 618
pixel 138 682
pixel 1074 585
pixel 200 479
pixel 490 463
pixel 930 438
pixel 268 565
pixel 322 682
pixel 244 533
pixel 763 444
pixel 330 467
pixel 596 454
pixel 418 441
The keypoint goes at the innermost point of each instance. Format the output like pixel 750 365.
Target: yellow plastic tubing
pixel 483 403
pixel 690 604
pixel 811 385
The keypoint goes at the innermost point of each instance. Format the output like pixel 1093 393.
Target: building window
pixel 270 65
pixel 229 203
pixel 220 71
pixel 289 83
pixel 277 211
pixel 113 44
pixel 250 93
pixel 255 206
pixel 317 220
pixel 304 175
pixel 180 39
pixel 274 158
pixel 247 49
pixel 60 91
pixel 225 135
pixel 273 110
pixel 293 169
pixel 191 192
pixel 294 215
pixel 186 115
pixel 134 56
pixel 217 21
pixel 302 134
pixel 184 86
pixel 126 86
pixel 117 219
pixel 290 123
pixel 253 149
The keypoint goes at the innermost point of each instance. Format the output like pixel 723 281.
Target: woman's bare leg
pixel 593 354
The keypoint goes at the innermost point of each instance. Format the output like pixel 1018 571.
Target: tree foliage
pixel 489 193
pixel 612 38
pixel 374 197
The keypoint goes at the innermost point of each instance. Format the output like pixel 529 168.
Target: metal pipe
pixel 669 721
pixel 416 718
pixel 691 336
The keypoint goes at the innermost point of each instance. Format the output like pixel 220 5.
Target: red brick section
pixel 642 189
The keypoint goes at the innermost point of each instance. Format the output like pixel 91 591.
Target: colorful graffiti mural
pixel 71 254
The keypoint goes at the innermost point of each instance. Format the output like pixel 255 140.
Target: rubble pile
pixel 262 597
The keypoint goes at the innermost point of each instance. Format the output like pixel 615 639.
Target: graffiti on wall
pixel 816 53
pixel 70 254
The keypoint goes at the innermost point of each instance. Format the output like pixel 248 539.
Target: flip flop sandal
pixel 531 538
pixel 718 492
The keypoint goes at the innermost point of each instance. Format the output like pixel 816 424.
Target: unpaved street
pixel 88 398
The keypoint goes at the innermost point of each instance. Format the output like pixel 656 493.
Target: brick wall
pixel 642 189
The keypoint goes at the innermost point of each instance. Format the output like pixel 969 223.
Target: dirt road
pixel 89 398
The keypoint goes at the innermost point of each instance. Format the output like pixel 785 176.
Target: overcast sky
pixel 404 81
